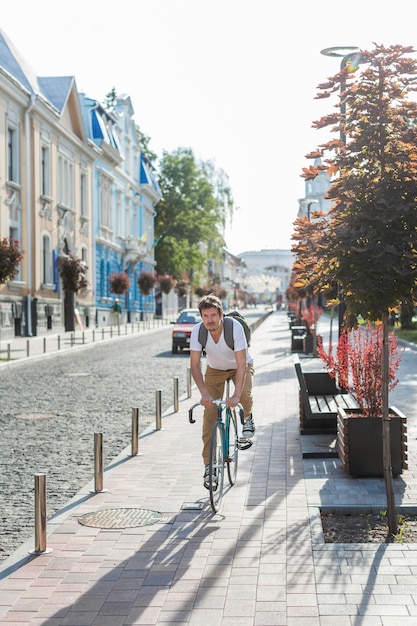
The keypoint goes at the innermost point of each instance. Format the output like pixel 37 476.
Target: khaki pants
pixel 215 380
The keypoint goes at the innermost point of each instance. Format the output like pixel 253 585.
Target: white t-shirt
pixel 219 355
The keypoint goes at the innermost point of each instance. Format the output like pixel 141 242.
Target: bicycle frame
pixel 224 447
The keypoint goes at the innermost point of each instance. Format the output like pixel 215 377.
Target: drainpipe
pixel 28 111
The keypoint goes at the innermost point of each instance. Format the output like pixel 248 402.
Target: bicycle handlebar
pixel 218 402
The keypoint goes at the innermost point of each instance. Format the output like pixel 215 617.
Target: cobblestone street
pixel 51 408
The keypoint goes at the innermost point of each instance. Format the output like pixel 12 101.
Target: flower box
pixel 359 443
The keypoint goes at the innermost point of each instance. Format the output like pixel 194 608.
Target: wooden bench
pixel 319 399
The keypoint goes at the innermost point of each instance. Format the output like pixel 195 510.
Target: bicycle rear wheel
pixel 216 464
pixel 232 446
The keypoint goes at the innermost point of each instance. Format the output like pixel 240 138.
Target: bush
pixel 357 366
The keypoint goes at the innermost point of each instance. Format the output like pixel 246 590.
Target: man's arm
pixel 195 363
pixel 240 378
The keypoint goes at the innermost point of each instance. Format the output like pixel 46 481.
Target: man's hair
pixel 210 301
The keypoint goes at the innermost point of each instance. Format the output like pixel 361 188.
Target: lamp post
pixel 349 55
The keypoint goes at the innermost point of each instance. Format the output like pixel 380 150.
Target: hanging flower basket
pixel 146 282
pixel 181 288
pixel 119 283
pixel 73 274
pixel 10 257
pixel 166 283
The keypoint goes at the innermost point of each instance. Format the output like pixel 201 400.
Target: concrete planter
pixel 359 443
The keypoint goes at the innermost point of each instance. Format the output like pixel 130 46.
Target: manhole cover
pixel 35 416
pixel 120 518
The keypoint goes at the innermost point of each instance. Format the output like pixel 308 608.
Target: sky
pixel 234 80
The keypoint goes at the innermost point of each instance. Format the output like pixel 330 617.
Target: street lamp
pixel 309 202
pixel 350 55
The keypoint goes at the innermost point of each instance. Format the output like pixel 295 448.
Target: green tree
pixel 110 100
pixel 196 200
pixel 370 245
pixel 144 144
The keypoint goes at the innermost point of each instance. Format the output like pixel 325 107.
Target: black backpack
pixel 228 330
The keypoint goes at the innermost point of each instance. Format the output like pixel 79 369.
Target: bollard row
pixel 40 479
pixel 144 325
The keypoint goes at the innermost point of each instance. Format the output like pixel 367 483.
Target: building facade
pixel 266 273
pixel 125 193
pixel 73 182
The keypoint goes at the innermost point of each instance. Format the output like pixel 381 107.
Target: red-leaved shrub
pixel 357 365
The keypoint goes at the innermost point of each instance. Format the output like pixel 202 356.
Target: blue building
pixel 125 193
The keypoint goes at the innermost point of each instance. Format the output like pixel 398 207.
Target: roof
pixel 12 61
pixel 54 90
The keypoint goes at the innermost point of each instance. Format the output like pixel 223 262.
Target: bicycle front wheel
pixel 232 446
pixel 216 464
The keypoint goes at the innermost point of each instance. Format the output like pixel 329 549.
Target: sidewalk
pixel 148 549
pixel 14 349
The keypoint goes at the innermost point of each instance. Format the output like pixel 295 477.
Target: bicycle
pixel 224 449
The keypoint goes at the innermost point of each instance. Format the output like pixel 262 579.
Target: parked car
pixel 182 329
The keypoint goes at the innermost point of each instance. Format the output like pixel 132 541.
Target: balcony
pixel 135 249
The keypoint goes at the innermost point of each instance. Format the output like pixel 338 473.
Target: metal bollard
pixel 102 333
pixel 44 345
pixel 59 342
pixel 93 336
pixel 135 431
pixel 72 339
pixel 27 347
pixel 40 515
pixel 8 352
pixel 189 382
pixel 98 463
pixel 83 337
pixel 176 394
pixel 158 409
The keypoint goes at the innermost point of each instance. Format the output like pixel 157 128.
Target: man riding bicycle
pixel 223 363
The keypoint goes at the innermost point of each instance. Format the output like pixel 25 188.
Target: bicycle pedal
pixel 244 444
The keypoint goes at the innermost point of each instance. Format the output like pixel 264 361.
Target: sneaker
pixel 248 430
pixel 206 477
pixel 244 444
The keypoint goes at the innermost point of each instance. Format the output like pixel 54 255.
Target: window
pixel 65 182
pixel 12 156
pixel 102 279
pixel 105 201
pixel 45 172
pixel 119 214
pixel 83 195
pixel 84 259
pixel 47 261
